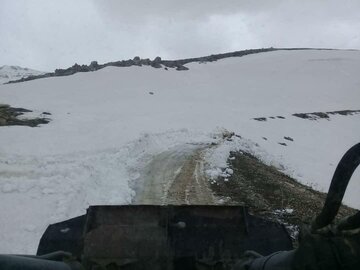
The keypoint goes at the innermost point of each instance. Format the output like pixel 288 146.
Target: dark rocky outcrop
pixel 146 62
pixel 157 59
pixel 313 115
pixel 288 138
pixel 179 65
pixel 156 63
pixel 182 68
pixel 262 119
pixel 94 66
pixel 9 117
pixel 325 115
pixel 77 68
pixel 137 61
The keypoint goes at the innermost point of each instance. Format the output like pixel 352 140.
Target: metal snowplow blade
pixel 164 237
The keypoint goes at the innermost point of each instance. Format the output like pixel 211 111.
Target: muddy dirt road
pixel 175 177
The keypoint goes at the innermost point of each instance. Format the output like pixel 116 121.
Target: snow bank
pixel 217 157
pixel 36 192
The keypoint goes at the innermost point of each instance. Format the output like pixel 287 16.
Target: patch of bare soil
pixel 270 193
pixel 175 177
pixel 190 186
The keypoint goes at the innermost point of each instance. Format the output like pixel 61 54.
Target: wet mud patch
pixel 10 116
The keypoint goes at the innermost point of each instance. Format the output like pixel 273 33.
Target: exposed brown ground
pixel 176 177
pixel 268 192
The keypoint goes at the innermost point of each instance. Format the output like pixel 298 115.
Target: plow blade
pixel 164 237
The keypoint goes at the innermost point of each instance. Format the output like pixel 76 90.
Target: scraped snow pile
pixel 106 124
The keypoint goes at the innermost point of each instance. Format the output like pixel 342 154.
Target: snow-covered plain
pixel 106 126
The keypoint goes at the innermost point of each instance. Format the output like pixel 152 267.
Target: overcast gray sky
pixel 48 34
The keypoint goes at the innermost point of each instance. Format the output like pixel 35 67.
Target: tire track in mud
pixel 175 177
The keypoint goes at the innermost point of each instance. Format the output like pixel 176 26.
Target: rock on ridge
pixel 156 63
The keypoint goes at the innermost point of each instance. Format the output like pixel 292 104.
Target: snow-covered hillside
pixel 106 125
pixel 12 73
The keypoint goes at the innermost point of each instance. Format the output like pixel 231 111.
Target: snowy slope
pixel 105 126
pixel 12 73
